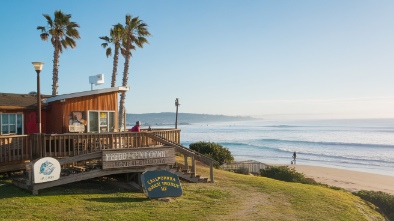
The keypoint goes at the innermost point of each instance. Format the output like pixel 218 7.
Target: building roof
pixel 29 101
pixel 86 93
pixel 19 101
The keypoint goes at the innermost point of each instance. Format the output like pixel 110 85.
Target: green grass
pixel 232 197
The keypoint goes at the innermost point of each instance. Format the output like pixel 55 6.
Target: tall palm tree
pixel 115 37
pixel 62 32
pixel 135 33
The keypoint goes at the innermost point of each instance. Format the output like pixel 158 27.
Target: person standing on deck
pixel 137 127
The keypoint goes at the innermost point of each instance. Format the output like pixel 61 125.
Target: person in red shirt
pixel 137 127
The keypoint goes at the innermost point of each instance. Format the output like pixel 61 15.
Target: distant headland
pixel 168 118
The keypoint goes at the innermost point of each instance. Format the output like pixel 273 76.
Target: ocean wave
pixel 341 158
pixel 285 126
pixel 307 154
pixel 302 157
pixel 325 143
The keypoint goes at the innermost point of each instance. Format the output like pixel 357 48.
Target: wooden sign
pixel 161 184
pixel 46 169
pixel 138 157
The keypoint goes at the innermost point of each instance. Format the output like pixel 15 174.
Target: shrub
pixel 242 170
pixel 384 201
pixel 214 151
pixel 285 173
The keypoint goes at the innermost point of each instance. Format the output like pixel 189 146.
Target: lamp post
pixel 38 68
pixel 176 117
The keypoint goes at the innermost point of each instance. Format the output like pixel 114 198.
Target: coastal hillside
pixel 232 197
pixel 168 118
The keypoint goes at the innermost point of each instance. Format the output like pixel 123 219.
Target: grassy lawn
pixel 231 197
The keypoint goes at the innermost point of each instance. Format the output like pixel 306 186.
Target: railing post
pixel 186 164
pixel 43 144
pixel 211 172
pixel 29 168
pixel 194 166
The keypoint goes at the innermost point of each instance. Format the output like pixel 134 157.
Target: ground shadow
pixel 118 200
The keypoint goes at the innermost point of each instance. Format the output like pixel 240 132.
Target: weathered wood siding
pixel 58 112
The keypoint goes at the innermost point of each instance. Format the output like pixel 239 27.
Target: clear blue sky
pixel 275 59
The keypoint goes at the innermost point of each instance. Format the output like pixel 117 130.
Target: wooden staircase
pixel 186 174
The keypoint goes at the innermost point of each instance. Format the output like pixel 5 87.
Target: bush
pixel 384 201
pixel 242 170
pixel 214 151
pixel 285 173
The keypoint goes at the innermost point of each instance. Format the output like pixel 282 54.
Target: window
pixel 101 121
pixel 11 124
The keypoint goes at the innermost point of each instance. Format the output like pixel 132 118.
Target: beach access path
pixel 347 179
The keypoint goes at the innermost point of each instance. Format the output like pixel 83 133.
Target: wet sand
pixel 348 179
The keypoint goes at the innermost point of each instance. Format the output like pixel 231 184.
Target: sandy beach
pixel 348 179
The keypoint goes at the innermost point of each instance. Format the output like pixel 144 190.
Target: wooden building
pixel 18 114
pixel 90 111
pixel 82 127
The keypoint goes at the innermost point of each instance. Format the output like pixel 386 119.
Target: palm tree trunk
pixel 123 94
pixel 55 77
pixel 115 68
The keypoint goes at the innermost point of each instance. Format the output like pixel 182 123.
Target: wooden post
pixel 186 164
pixel 193 167
pixel 176 116
pixel 211 172
pixel 139 180
pixel 124 119
pixel 42 145
pixel 29 173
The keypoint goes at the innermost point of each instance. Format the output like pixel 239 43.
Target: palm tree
pixel 115 37
pixel 135 32
pixel 62 32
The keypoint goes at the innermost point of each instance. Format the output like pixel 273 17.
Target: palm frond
pixel 44 36
pixel 41 28
pixel 108 52
pixel 49 20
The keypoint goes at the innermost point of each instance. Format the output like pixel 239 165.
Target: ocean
pixel 360 145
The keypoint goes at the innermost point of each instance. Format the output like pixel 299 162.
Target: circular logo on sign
pixel 47 168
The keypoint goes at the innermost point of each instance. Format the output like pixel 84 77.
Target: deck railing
pixel 19 148
pixel 14 148
pixel 64 145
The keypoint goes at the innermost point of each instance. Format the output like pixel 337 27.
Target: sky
pixel 273 59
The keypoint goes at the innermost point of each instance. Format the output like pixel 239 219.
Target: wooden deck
pixel 21 148
pixel 16 152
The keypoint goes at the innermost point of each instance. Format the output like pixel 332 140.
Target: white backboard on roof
pixel 96 79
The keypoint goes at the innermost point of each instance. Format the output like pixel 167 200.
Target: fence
pixel 251 165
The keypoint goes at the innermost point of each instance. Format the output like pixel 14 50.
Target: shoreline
pixel 349 180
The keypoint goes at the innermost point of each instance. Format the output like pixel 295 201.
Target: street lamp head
pixel 38 65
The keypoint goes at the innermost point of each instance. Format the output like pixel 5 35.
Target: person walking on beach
pixel 294 157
